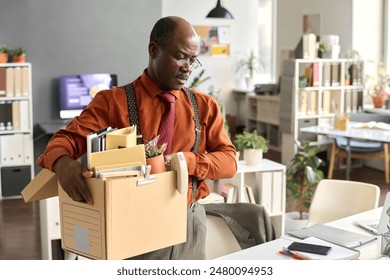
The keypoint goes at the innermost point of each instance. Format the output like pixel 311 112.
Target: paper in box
pixel 126 219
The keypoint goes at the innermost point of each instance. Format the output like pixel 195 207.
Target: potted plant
pixel 253 146
pixel 155 155
pixel 378 87
pixel 322 48
pixel 247 66
pixel 18 55
pixel 302 176
pixel 3 53
pixel 199 79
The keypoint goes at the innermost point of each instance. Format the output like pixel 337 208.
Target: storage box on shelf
pixel 268 182
pixel 313 92
pixel 16 140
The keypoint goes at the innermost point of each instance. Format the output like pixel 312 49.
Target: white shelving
pixel 313 91
pixel 16 139
pixel 268 180
pixel 262 114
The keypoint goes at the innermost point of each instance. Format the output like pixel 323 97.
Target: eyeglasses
pixel 194 64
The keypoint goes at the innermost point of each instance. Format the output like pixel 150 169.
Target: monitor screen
pixel 76 91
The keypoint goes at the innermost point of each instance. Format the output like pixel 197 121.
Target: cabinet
pixel 314 91
pixel 268 180
pixel 16 139
pixel 263 115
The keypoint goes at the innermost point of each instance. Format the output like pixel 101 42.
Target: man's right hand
pixel 71 174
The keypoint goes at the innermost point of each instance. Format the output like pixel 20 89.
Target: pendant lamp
pixel 219 12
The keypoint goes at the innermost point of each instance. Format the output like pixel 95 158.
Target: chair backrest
pixel 336 199
pixel 368 117
pixel 235 226
pixel 220 240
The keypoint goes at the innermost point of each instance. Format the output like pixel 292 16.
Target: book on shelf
pixel 335 76
pixel 24 114
pixel 18 81
pixel 316 74
pixel 16 114
pixel 229 192
pixel 336 253
pixel 303 101
pixel 25 82
pixel 326 102
pixel 9 82
pixel 2 81
pixel 326 74
pixel 249 191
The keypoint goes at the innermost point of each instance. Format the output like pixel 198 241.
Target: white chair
pixel 336 199
pixel 220 240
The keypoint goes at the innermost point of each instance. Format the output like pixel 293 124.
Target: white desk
pixel 269 250
pixel 378 135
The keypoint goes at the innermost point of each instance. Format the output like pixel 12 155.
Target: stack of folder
pixel 114 152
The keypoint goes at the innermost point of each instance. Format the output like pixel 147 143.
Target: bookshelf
pixel 314 91
pixel 16 137
pixel 263 115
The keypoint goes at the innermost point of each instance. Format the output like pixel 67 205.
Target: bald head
pixel 165 28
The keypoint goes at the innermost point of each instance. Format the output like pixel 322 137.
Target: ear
pixel 153 49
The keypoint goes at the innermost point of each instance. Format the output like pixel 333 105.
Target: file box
pixel 129 215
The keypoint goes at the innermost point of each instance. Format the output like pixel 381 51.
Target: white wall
pixel 357 22
pixel 243 34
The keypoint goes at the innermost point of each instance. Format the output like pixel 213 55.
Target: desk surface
pixel 371 134
pixel 269 250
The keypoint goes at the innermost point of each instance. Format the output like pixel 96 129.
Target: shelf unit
pixel 268 180
pixel 263 115
pixel 16 137
pixel 314 91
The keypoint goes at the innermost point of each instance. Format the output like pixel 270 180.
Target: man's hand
pixel 71 174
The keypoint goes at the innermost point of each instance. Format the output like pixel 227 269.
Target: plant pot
pixel 157 163
pixel 3 57
pixel 253 156
pixel 378 101
pixel 249 83
pixel 19 59
pixel 292 221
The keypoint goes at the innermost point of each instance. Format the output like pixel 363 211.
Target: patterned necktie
pixel 166 125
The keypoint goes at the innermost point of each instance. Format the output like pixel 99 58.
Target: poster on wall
pixel 214 40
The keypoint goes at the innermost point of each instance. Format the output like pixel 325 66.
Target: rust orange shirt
pixel 216 154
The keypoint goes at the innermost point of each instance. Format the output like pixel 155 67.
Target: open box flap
pixel 44 185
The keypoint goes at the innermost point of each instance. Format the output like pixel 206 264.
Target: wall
pixel 243 34
pixel 357 22
pixel 77 36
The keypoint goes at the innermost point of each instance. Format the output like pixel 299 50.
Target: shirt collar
pixel 153 89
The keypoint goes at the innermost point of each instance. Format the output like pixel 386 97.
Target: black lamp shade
pixel 219 12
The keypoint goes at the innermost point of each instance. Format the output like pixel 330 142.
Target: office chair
pixel 235 226
pixel 336 199
pixel 361 149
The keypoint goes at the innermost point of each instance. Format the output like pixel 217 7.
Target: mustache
pixel 183 76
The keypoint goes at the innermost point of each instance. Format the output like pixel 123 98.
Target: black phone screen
pixel 310 248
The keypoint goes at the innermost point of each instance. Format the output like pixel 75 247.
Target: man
pixel 173 51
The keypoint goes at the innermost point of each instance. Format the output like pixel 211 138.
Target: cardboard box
pixel 129 216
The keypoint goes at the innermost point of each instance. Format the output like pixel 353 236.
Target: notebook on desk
pixel 378 226
pixel 331 234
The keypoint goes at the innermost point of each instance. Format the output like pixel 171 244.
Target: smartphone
pixel 310 248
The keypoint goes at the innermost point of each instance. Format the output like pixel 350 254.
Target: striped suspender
pixel 133 115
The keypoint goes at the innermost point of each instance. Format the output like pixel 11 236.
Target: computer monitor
pixel 76 91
